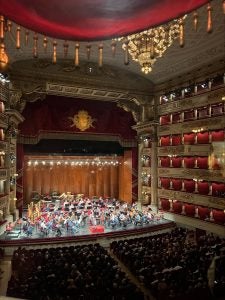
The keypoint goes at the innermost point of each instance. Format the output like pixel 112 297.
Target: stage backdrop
pixel 45 174
pixel 62 117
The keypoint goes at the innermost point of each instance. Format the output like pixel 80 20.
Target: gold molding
pixel 208 175
pixel 210 97
pixel 181 150
pixel 197 199
pixel 206 124
pixel 75 136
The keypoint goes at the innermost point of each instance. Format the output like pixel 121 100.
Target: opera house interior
pixel 112 149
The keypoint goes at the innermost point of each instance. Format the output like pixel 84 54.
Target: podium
pixel 97 229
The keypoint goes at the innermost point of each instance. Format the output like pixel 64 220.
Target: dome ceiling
pixel 200 49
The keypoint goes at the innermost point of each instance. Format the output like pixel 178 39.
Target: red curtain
pixel 218 136
pixel 203 187
pixel 96 19
pixel 165 162
pixel 176 184
pixel 165 204
pixel 165 140
pixel 189 209
pixel 202 162
pixel 176 162
pixel 203 137
pixel 189 138
pixel 177 207
pixel 189 185
pixel 189 162
pixel 176 140
pixel 165 182
pixel 203 212
pixel 218 189
pixel 53 115
pixel 164 120
pixel 219 216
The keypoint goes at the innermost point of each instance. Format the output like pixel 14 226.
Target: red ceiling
pixel 93 19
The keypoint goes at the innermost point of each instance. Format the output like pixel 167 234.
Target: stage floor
pixel 18 234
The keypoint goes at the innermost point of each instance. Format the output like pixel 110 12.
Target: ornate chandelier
pixel 146 46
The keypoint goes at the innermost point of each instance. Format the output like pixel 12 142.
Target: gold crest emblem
pixel 82 120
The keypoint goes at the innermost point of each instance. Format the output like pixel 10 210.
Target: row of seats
pixel 75 272
pixel 172 265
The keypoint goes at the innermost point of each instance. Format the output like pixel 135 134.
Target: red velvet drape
pixel 94 19
pixel 52 115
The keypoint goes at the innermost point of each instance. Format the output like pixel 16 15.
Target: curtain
pixel 189 138
pixel 203 212
pixel 164 120
pixel 203 137
pixel 96 19
pixel 202 162
pixel 176 184
pixel 176 140
pixel 176 162
pixel 189 185
pixel 189 209
pixel 218 136
pixel 165 140
pixel 203 187
pixel 165 182
pixel 165 204
pixel 88 180
pixel 165 162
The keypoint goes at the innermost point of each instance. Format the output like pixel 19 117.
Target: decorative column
pixel 154 170
pixel 140 194
pixel 183 189
pixel 7 182
pixel 14 118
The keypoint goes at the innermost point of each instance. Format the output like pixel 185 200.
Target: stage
pixel 85 234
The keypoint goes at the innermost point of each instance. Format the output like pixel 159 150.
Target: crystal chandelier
pixel 146 46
